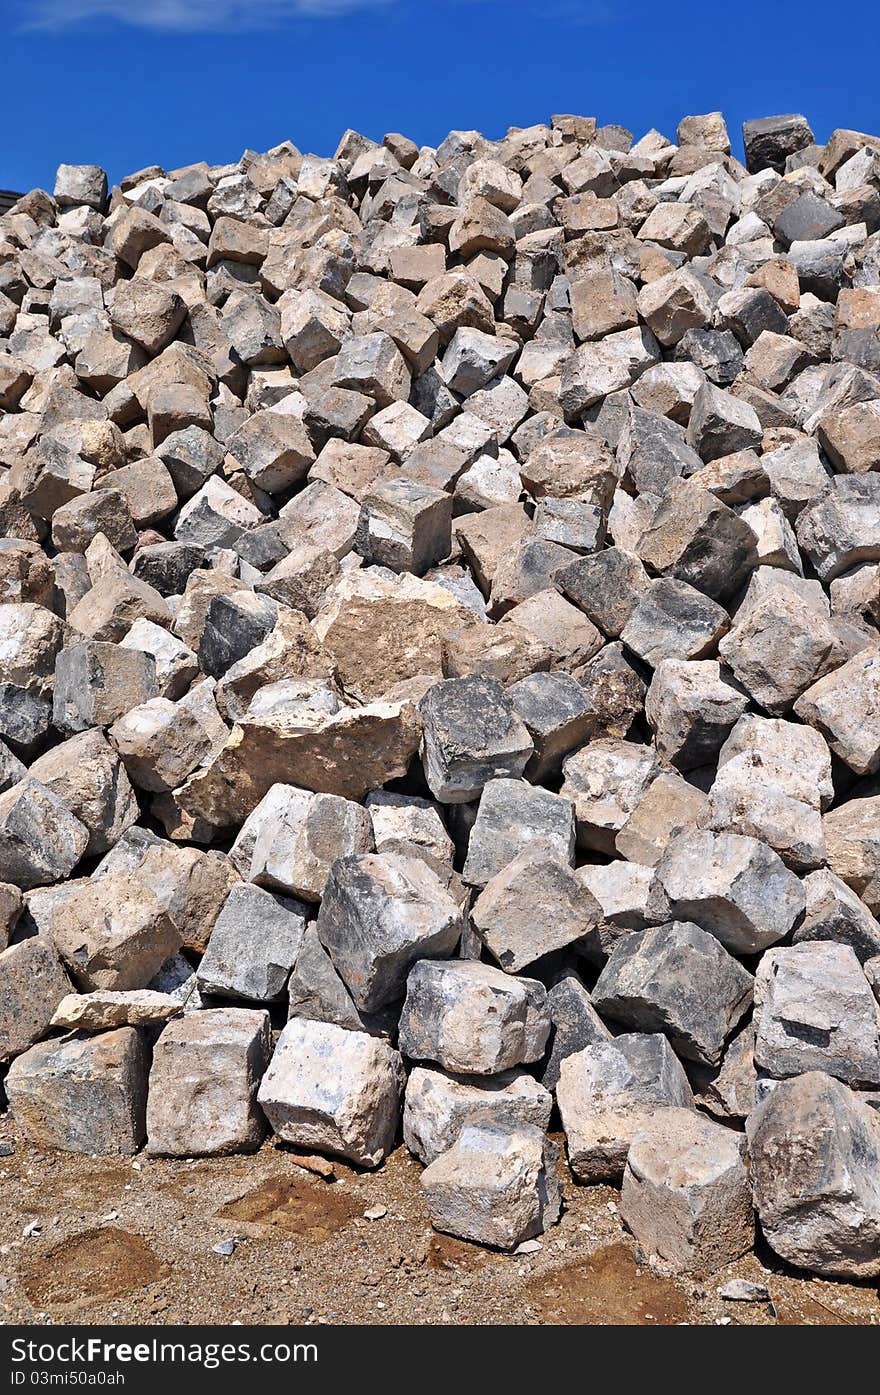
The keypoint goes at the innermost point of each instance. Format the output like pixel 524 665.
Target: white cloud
pixel 185 16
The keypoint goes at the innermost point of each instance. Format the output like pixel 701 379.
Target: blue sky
pixel 127 83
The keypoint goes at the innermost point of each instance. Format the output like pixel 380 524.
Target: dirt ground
pixel 103 1240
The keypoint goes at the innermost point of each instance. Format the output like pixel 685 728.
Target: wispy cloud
pixel 223 16
pixel 586 13
pixel 184 16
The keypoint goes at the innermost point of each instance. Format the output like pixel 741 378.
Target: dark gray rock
pixel 253 946
pixel 769 140
pixel 676 979
pixel 556 713
pixel 513 815
pixel 814 1148
pixel 381 912
pixel 470 735
pixel 575 1022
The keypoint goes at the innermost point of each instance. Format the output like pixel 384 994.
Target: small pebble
pixel 744 1291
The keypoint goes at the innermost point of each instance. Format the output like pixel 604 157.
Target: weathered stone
pixel 602 303
pixel 253 946
pixel 293 837
pixel 471 734
pixel 606 586
pixel 814 1010
pixel 85 773
pixel 843 527
pixel 651 983
pixel 607 1091
pixel 352 1109
pixel 596 369
pixel 556 714
pixel 605 780
pixel 97 682
pixel 735 887
pixel 496 1186
pixel 316 991
pixel 113 932
pixel 32 984
pixel 408 823
pixel 160 743
pixel 472 1018
pixel 147 312
pixel 769 140
pixel 696 538
pixel 80 184
pixel 533 906
pixel 203 1083
pixel 379 913
pixel 835 913
pixel 575 1023
pixel 845 707
pixel 729 1091
pixel 437 1107
pixel 673 304
pixel 103 1009
pixel 344 751
pixel 83 1094
pixel 668 804
pixel 760 794
pixel 372 364
pixel 512 815
pixel 852 834
pixel 814 1149
pixel 781 641
pixel 191 885
pixel 685 1194
pixel 273 449
pixel 41 841
pixel 622 890
pixel 405 526
pixel 673 620
pixel 691 710
pixel 720 424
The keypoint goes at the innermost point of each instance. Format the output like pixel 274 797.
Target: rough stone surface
pixel 607 1090
pixel 380 913
pixel 496 1186
pixel 439 601
pixel 535 905
pixel 651 983
pixel 253 946
pixel 438 1107
pixel 735 887
pixel 814 1010
pixel 814 1148
pixel 685 1194
pixel 337 1091
pixel 203 1083
pixel 471 1018
pixel 83 1094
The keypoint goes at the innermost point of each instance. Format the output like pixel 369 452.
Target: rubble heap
pixel 439 672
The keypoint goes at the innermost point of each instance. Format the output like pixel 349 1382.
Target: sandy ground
pixel 103 1240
